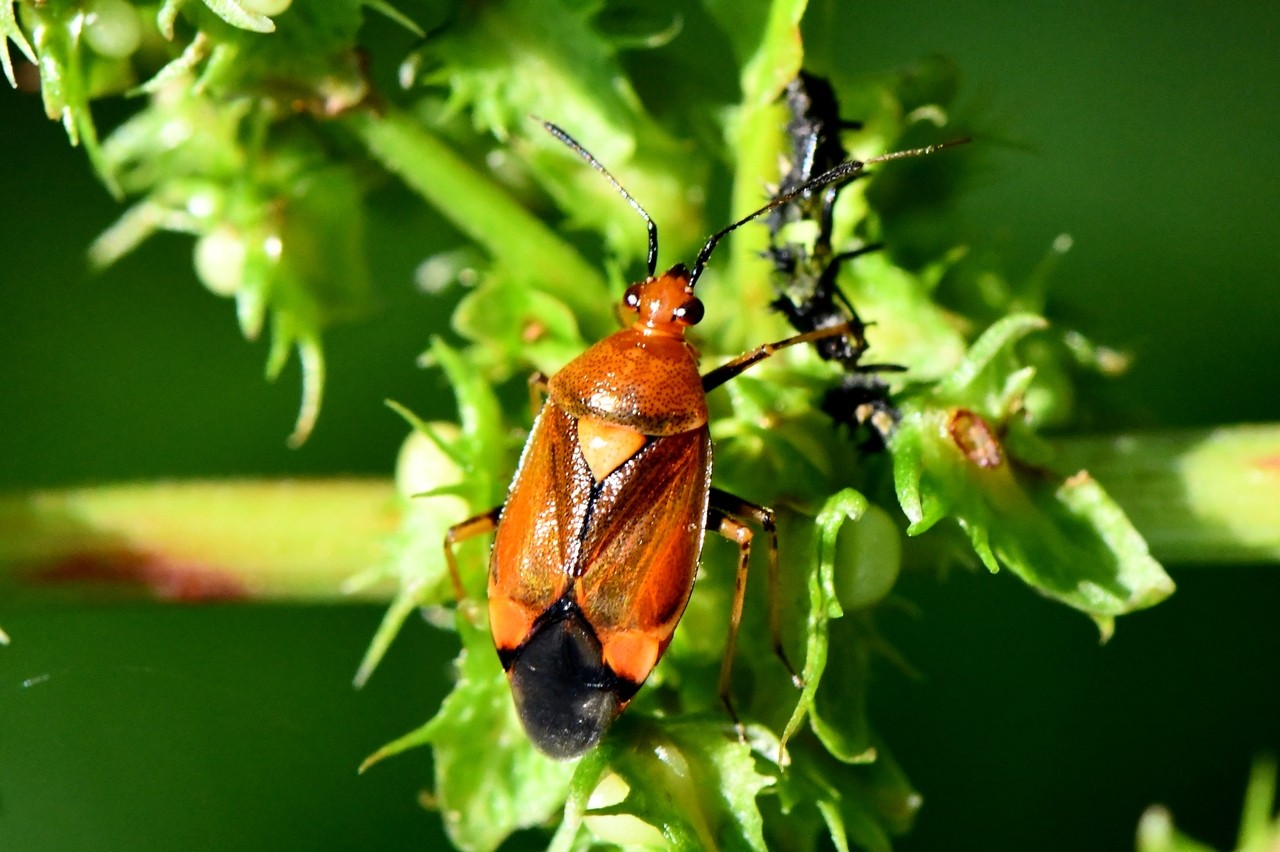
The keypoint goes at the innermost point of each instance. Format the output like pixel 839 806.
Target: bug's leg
pixel 739 533
pixel 470 528
pixel 725 372
pixel 537 391
pixel 762 516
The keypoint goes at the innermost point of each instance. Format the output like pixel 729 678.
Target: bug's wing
pixel 644 536
pixel 536 541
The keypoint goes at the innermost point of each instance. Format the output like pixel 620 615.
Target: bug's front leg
pixel 746 360
pixel 537 391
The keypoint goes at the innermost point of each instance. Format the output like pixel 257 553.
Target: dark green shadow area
pixel 147 727
pixel 1025 733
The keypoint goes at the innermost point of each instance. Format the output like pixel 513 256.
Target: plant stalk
pixel 234 540
pixel 482 209
pixel 1199 496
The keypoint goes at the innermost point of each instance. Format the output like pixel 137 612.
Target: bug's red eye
pixel 632 297
pixel 690 312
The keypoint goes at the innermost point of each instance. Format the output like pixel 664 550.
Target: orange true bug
pixel 599 539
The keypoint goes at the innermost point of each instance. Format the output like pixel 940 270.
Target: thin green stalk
pixel 1201 496
pixel 484 211
pixel 775 61
pixel 232 540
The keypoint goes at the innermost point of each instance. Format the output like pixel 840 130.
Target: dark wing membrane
pixel 537 538
pixel 641 546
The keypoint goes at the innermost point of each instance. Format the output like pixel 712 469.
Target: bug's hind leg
pixel 726 518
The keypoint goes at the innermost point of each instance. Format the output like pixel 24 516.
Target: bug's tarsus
pixel 576 147
pixel 796 680
pixel 739 729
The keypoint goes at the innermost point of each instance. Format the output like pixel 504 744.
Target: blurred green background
pixel 1149 132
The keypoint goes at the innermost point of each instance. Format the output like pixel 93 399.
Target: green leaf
pixel 237 15
pixel 981 378
pixel 498 315
pixel 690 779
pixel 311 362
pixel 845 506
pixel 857 556
pixel 10 31
pixel 1259 822
pixel 490 781
pixel 390 12
pixel 310 61
pixel 505 61
pixel 482 447
pixel 444 475
pixel 910 327
pixel 862 805
pixel 56 31
pixel 956 453
pixel 166 15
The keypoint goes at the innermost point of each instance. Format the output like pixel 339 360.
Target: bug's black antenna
pixel 595 164
pixel 846 171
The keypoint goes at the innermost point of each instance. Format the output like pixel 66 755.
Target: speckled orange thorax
pixel 647 382
pixel 644 377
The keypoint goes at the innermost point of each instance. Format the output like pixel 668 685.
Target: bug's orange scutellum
pixel 598 542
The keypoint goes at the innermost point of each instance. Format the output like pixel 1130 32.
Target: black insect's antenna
pixel 844 172
pixel 595 164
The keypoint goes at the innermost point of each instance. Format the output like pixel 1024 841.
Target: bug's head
pixel 565 694
pixel 664 303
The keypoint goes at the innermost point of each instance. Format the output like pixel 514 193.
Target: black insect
pixel 814 132
pixel 805 276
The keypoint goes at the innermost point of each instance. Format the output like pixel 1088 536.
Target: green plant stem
pixel 757 150
pixel 1198 496
pixel 1204 496
pixel 197 541
pixel 484 211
